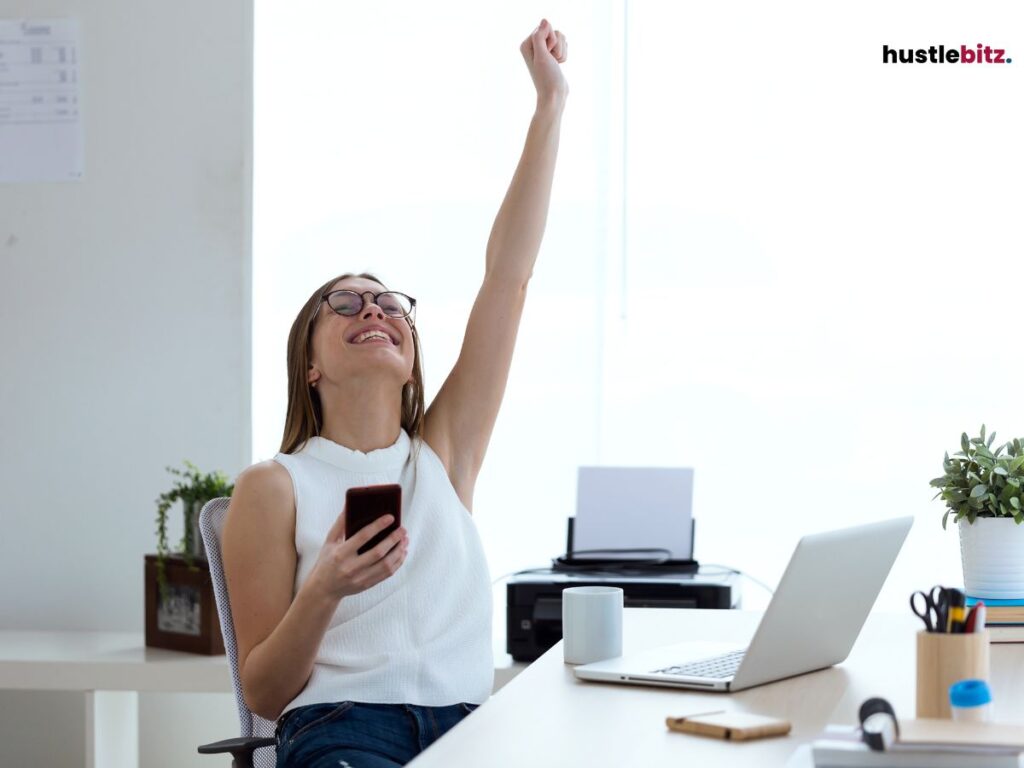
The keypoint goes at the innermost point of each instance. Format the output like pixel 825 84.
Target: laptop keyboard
pixel 717 667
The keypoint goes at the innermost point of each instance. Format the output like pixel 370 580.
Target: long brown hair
pixel 304 418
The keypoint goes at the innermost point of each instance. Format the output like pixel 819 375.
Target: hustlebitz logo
pixel 941 54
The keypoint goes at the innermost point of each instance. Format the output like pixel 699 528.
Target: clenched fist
pixel 544 51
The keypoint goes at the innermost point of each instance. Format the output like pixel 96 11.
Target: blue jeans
pixel 351 734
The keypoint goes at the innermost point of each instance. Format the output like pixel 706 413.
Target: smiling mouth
pixel 371 337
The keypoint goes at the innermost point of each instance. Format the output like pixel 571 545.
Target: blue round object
pixel 969 693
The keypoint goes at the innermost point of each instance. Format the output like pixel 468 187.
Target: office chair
pixel 256 731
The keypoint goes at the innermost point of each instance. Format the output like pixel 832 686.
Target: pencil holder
pixel 944 659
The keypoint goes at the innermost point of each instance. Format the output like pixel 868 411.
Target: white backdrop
pixel 769 256
pixel 124 340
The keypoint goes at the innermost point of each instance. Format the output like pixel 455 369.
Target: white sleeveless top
pixel 423 635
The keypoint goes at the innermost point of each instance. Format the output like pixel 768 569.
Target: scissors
pixel 932 608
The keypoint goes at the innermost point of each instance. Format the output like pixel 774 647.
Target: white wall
pixel 124 330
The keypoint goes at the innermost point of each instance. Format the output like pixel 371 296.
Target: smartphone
pixel 366 504
pixel 732 726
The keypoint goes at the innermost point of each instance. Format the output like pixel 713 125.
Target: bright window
pixel 769 256
pixel 386 135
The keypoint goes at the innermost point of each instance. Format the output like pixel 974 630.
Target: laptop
pixel 811 623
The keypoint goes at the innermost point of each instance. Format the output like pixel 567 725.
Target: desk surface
pixel 120 661
pixel 546 717
pixel 109 661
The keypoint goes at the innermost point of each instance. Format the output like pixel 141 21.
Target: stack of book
pixel 924 744
pixel 1004 619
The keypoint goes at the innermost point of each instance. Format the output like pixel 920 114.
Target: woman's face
pixel 336 354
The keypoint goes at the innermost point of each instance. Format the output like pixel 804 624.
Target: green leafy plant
pixel 981 482
pixel 191 486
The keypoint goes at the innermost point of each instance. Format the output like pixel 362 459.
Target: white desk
pixel 110 669
pixel 546 717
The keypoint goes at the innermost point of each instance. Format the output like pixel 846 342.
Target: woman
pixel 365 660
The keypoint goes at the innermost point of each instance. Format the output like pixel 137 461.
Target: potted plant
pixel 193 489
pixel 982 490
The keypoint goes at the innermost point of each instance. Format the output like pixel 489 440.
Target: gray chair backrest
pixel 211 523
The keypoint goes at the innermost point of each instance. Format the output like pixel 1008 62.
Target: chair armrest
pixel 241 748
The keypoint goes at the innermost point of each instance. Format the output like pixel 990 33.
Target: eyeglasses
pixel 350 303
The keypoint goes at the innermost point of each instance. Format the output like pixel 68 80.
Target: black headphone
pixel 878 724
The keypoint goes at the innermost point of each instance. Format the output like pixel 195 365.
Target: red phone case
pixel 366 504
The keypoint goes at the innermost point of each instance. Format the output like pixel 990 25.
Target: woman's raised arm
pixel 459 422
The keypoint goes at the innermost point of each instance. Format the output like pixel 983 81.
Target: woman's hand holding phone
pixel 341 571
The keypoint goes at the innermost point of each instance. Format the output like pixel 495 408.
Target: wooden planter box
pixel 187 621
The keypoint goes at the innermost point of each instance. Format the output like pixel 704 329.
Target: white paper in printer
pixel 634 508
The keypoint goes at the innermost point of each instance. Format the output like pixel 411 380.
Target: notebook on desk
pixel 812 621
pixel 923 744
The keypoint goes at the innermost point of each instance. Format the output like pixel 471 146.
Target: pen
pixel 957 612
pixel 978 614
pixel 972 617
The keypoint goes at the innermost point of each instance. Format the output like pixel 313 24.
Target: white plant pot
pixel 992 553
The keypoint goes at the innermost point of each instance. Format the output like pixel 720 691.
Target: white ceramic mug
pixel 591 624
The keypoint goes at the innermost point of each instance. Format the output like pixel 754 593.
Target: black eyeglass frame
pixel 410 315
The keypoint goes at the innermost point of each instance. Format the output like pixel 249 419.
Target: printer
pixel 534 599
pixel 607 500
